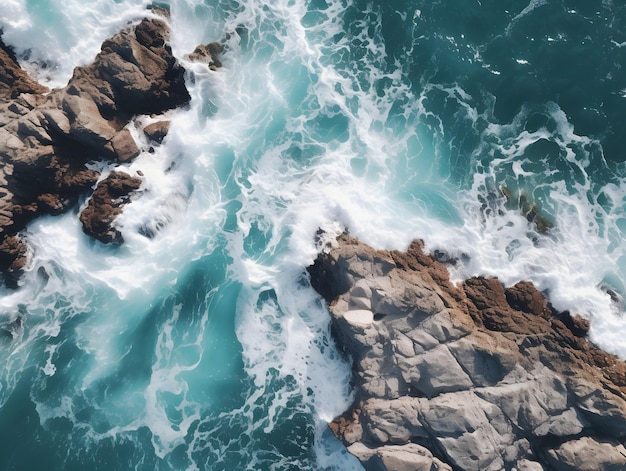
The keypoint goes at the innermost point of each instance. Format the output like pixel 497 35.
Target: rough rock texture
pixel 208 54
pixel 156 132
pixel 105 204
pixel 46 140
pixel 471 377
pixel 13 80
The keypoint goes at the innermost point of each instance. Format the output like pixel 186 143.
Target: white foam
pixel 532 6
pixel 573 262
pixel 252 140
pixel 51 38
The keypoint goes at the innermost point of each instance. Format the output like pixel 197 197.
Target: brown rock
pixel 57 121
pixel 525 297
pixel 71 178
pixel 142 72
pixel 208 54
pixel 157 131
pixel 125 146
pixel 162 10
pixel 46 141
pixel 12 256
pixel 50 203
pixel 13 80
pixel 106 204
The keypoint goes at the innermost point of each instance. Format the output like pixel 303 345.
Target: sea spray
pixel 199 343
pixel 54 36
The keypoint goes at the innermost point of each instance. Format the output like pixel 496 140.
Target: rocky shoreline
pixel 47 138
pixel 470 377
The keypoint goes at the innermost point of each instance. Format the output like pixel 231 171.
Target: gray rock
pixel 527 465
pixel 606 410
pixel 410 457
pixel 587 454
pixel 467 377
pixel 439 372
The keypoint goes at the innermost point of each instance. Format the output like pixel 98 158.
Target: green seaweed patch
pixel 528 208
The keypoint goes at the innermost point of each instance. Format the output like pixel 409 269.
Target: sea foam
pixel 199 343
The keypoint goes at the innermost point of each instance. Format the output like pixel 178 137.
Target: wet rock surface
pixel 105 204
pixel 13 80
pixel 208 54
pixel 156 132
pixel 47 140
pixel 469 377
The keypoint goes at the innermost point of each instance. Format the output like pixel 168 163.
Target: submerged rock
pixel 530 210
pixel 470 377
pixel 46 140
pixel 208 54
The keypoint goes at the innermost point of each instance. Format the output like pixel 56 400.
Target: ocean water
pixel 492 130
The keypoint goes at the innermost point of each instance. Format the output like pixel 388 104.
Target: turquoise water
pixel 204 347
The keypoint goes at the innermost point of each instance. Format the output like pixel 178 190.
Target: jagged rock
pixel 87 125
pixel 482 376
pixel 125 146
pixel 50 203
pixel 207 54
pixel 45 141
pixel 161 9
pixel 157 131
pixel 106 204
pixel 587 454
pixel 13 80
pixel 13 256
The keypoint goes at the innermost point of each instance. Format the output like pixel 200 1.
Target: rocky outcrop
pixel 208 54
pixel 470 377
pixel 47 140
pixel 105 204
pixel 13 80
pixel 156 132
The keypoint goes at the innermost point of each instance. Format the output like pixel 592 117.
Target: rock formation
pixel 46 140
pixel 105 204
pixel 208 54
pixel 156 132
pixel 13 80
pixel 471 377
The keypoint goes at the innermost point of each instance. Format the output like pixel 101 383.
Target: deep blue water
pixel 205 347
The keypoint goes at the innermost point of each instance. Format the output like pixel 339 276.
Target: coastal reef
pixel 472 377
pixel 48 138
